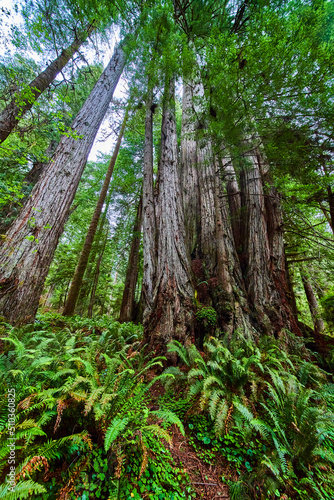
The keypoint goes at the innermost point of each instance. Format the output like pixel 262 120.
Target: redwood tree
pixel 172 303
pixel 28 249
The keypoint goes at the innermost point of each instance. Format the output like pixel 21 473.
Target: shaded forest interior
pixel 167 250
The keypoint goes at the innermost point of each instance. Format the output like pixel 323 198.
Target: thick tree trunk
pixel 319 325
pixel 189 172
pixel 275 231
pixel 210 241
pixel 263 251
pixel 172 313
pixel 128 299
pixel 28 249
pixel 84 256
pixel 24 100
pixel 149 221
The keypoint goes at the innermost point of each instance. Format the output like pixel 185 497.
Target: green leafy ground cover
pixel 89 426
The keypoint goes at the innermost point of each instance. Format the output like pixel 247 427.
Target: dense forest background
pixel 167 249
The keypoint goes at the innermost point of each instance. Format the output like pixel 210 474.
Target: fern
pixel 117 426
pixel 23 489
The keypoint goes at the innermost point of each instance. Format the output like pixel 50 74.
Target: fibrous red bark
pixel 172 312
pixel 149 220
pixel 263 257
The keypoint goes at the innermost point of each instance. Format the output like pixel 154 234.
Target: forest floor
pixel 205 478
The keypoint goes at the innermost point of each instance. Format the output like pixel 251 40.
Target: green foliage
pixel 266 411
pixel 78 383
pixel 328 308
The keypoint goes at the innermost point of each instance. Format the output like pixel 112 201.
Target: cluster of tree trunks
pixel 213 235
pixel 212 229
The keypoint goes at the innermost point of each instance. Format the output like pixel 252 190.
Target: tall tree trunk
pixel 149 221
pixel 84 256
pixel 128 299
pixel 172 314
pixel 24 100
pixel 263 252
pixel 319 325
pixel 210 239
pixel 28 249
pixel 96 278
pixel 189 171
pixel 275 232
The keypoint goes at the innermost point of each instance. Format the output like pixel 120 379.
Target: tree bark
pixel 210 242
pixel 149 220
pixel 262 258
pixel 22 103
pixel 84 256
pixel 128 299
pixel 28 249
pixel 96 278
pixel 234 200
pixel 189 172
pixel 172 313
pixel 319 325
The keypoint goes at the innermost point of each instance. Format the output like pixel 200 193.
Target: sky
pixel 6 47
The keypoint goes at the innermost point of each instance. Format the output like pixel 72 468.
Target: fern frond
pixel 170 418
pixel 117 426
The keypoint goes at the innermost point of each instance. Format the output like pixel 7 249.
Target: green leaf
pixel 117 426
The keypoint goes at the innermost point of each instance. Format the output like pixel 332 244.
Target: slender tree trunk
pixel 28 249
pixel 172 314
pixel 128 300
pixel 319 325
pixel 149 221
pixel 96 278
pixel 24 100
pixel 84 256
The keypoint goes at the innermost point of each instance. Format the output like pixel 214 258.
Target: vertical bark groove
pixel 172 315
pixel 149 216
